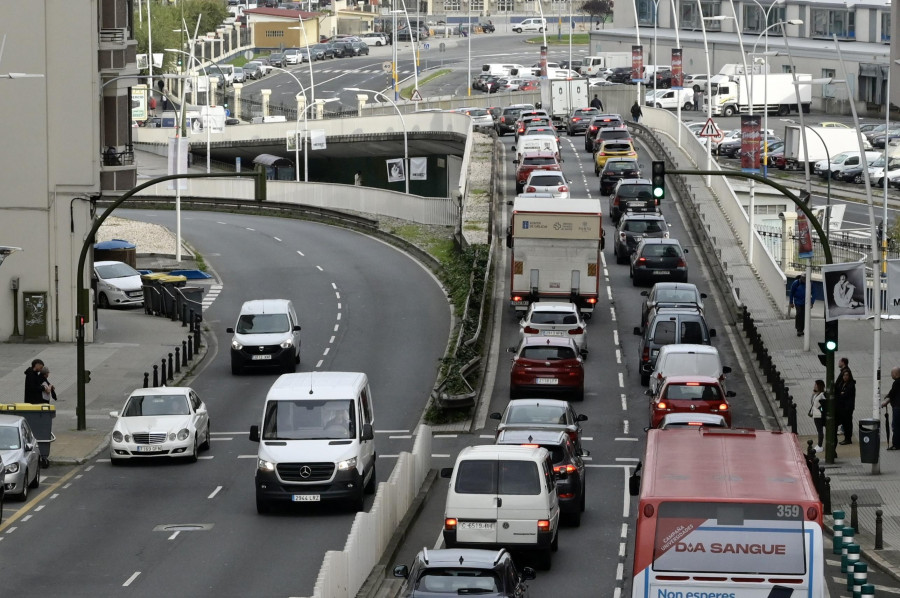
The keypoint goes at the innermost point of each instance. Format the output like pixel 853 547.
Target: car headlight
pixel 117 436
pixel 287 344
pixel 347 464
pixel 265 465
pixel 12 468
pixel 183 434
pixel 236 345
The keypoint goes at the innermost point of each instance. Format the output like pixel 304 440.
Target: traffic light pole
pixel 831 328
pixel 82 375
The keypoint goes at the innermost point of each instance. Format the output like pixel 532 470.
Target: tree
pixel 601 9
pixel 166 19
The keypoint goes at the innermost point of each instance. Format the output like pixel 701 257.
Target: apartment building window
pixel 274 33
pixel 645 10
pixel 872 82
pixel 451 5
pixel 827 22
pixel 477 5
pixel 885 27
pixel 690 18
pixel 829 88
pixel 755 19
pixel 786 68
pixel 505 5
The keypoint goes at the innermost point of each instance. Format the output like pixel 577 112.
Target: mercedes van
pixel 316 441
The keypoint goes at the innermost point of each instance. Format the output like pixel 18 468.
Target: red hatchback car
pixel 546 365
pixel 690 394
pixel 533 161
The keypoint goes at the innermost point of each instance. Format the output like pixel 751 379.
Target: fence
pixel 343 572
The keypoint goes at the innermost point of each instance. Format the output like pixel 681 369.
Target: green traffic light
pixel 658 192
pixel 831 345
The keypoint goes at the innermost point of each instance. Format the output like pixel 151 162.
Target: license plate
pixel 518 303
pixel 258 357
pixel 553 333
pixel 305 498
pixel 549 381
pixel 661 272
pixel 483 525
pixel 149 449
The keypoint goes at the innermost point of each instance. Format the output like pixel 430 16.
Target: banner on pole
pixel 892 306
pixel 845 291
pixel 177 162
pixel 294 141
pixel 396 171
pixel 677 69
pixel 804 240
pixel 751 135
pixel 418 169
pixel 637 64
pixel 317 139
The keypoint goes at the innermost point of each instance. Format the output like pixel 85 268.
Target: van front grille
pixel 305 472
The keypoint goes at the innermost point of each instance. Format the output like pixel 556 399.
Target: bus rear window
pixel 745 538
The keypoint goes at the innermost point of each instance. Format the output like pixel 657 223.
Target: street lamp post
pixel 828 183
pixel 312 83
pixel 297 130
pixel 637 36
pixel 708 85
pixel 402 123
pixel 181 133
pixel 208 103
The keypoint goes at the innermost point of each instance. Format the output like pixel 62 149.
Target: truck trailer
pixel 555 252
pixel 597 64
pixel 730 94
pixel 560 97
pixel 823 143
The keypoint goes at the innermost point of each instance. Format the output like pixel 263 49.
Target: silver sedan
pixel 21 456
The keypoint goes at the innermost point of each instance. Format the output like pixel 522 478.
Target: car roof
pixel 502 452
pixel 689 348
pixel 621 159
pixel 539 172
pixel 643 215
pixel 548 306
pixel 108 263
pixel 169 390
pixel 660 241
pixel 461 557
pixel 536 403
pixel 686 379
pixel 548 341
pixel 526 436
pixel 11 420
pixel 264 306
pixel 633 182
pixel 675 286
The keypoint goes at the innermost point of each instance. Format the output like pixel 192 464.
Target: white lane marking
pixel 486 436
pixel 617 593
pixel 587 458
pixel 334 286
pixel 220 222
pixel 222 438
pixel 301 253
pixel 616 338
pixel 131 579
pixel 400 436
pixel 391 431
pixel 214 492
pixel 67 486
pixel 453 436
pixel 618 356
pixel 439 456
pixel 337 295
pixel 623 439
pixel 251 229
pixel 880 588
pixel 327 349
pixel 607 466
pixel 39 508
pixel 587 437
pixel 612 314
pixel 624 533
pixel 226 433
pixel 336 326
pixel 627 459
pixel 53 496
pixel 380 456
pixel 174 535
pixel 89 467
pixel 318 365
pixel 625 426
pixel 206 457
pixel 439 542
pixel 626 505
pixel 331 340
pixel 620 568
pixel 11 530
pixel 339 316
pixel 609 293
pixel 252 456
pixel 624 402
pixel 78 476
pixel 320 268
pixel 26 518
pixel 621 380
pixel 621 551
pixel 277 239
pixel 339 305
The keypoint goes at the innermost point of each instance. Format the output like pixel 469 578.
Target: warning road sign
pixel 416 96
pixel 710 129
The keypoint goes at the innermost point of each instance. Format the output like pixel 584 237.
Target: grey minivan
pixel 667 326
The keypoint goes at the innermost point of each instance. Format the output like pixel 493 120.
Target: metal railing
pixel 112 156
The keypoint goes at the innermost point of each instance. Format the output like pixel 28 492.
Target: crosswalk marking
pixel 210 296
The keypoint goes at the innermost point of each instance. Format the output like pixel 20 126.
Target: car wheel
pixel 205 445
pixel 858 179
pixel 378 43
pixel 37 479
pixel 263 507
pixel 645 379
pixel 687 106
pixel 517 30
pixel 540 29
pixel 23 495
pixel 103 301
pixel 192 457
pixel 370 486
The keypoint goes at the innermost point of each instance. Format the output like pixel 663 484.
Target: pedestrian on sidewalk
pixel 636 112
pixel 797 300
pixel 893 399
pixel 845 402
pixel 48 391
pixel 698 98
pixel 34 393
pixel 817 403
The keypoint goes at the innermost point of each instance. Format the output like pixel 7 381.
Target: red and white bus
pixel 726 514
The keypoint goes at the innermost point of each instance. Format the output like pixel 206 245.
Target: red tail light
pixel 592 300
pixel 543 525
pixel 681 264
pixel 563 189
pixel 450 523
pixel 532 445
pixel 645 354
pixel 530 190
pixel 661 406
pixel 567 468
pixel 642 260
pixel 616 200
pixel 723 406
pixel 517 298
pixel 576 331
pixel 576 119
pixel 531 330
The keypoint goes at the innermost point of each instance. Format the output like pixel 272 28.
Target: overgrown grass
pixel 578 39
pixel 407 92
pixel 441 247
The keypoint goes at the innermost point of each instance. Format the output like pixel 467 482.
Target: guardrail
pixel 343 571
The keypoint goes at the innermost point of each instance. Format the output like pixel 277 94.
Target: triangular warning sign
pixel 709 129
pixel 416 96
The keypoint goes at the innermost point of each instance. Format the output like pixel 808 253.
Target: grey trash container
pixel 40 419
pixel 869 440
pixel 192 299
pixel 168 290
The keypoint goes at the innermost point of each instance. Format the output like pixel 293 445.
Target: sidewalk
pixel 801 368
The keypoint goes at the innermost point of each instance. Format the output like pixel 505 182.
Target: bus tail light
pixel 648 510
pixel 450 523
pixel 812 513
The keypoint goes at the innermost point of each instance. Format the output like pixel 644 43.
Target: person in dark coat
pixel 597 103
pixel 893 399
pixel 845 402
pixel 34 391
pixel 636 112
pixel 817 405
pixel 797 300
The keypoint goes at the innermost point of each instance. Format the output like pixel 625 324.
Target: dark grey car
pixel 633 227
pixel 658 259
pixel 668 326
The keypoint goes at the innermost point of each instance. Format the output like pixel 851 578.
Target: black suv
pixel 508 118
pixel 463 571
pixel 620 74
pixel 566 457
pixel 615 170
pixel 628 190
pixel 635 226
pixel 579 120
pixel 668 326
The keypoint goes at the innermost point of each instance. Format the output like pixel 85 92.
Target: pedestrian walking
pixel 357 178
pixel 636 112
pixel 817 404
pixel 893 399
pixel 34 393
pixel 597 103
pixel 48 391
pixel 698 98
pixel 845 402
pixel 797 300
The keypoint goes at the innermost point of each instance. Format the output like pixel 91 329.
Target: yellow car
pixel 613 148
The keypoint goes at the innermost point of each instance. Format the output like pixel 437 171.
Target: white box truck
pixel 822 143
pixel 555 246
pixel 730 94
pixel 593 66
pixel 560 97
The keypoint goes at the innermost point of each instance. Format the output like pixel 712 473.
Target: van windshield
pixel 262 323
pixel 309 420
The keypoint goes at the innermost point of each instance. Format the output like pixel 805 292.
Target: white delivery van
pixel 315 441
pixel 501 70
pixel 687 360
pixel 536 143
pixel 503 497
pixel 266 334
pixel 530 24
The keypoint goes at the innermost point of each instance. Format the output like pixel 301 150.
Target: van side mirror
pixel 712 332
pixel 726 369
pixel 581 417
pixel 634 484
pixel 637 331
pixel 684 249
pixel 496 415
pixel 367 432
pixel 254 433
pixel 730 394
pixel 528 573
pixel 296 328
pixel 229 330
pixel 401 571
pixel 447 472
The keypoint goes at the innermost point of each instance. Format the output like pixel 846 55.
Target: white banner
pixel 317 139
pixel 418 169
pixel 892 308
pixel 179 158
pixel 845 291
pixel 293 139
pixel 396 172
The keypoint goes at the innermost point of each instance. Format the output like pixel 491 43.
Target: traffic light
pixel 658 178
pixel 830 346
pixel 79 322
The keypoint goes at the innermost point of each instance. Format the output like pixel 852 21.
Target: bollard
pixel 162 375
pixel 146 379
pixel 879 532
pixel 155 376
pixel 184 356
pixel 810 449
pixel 837 515
pixel 837 540
pixel 814 471
pixel 183 315
pixel 177 360
pixel 792 418
pixel 171 369
pixel 854 517
pixel 860 577
pixel 848 561
pixel 190 347
pixel 197 334
pixel 191 319
pixel 826 495
pixel 868 590
pixel 847 538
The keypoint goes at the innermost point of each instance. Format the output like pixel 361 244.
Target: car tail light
pixel 645 354
pixel 578 330
pixel 532 445
pixel 450 523
pixel 543 525
pixel 567 495
pixel 681 263
pixel 661 406
pixel 563 189
pixel 576 119
pixel 517 297
pixel 723 406
pixel 616 200
pixel 642 260
pixel 592 300
pixel 530 330
pixel 573 435
pixel 601 153
pixel 530 189
pixel 564 468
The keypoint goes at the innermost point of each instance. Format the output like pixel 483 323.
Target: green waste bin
pixel 168 284
pixel 40 419
pixel 869 440
pixel 152 297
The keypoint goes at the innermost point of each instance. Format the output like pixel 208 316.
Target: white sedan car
pixel 117 284
pixel 547 181
pixel 480 116
pixel 160 422
pixel 555 319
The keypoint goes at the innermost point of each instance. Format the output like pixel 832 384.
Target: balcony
pixel 118 171
pixel 115 36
